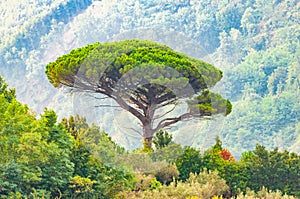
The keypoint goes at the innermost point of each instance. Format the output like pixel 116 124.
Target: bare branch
pixel 99 98
pixel 106 105
pixel 173 101
pixel 166 97
pixel 162 115
pixel 131 135
pixel 129 108
pixel 169 121
pixel 134 130
pixel 129 97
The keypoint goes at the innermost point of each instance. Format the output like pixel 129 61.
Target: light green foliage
pixel 212 157
pixel 43 159
pixel 209 103
pixel 69 66
pixel 233 172
pixel 83 186
pixel 146 182
pixel 93 139
pixel 49 117
pixel 9 93
pixel 29 151
pixel 216 159
pixel 215 185
pixel 264 193
pixel 142 162
pixel 98 169
pixel 117 58
pixel 205 185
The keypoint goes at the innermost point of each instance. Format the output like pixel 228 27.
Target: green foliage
pixel 142 162
pixel 82 186
pixel 209 103
pixel 212 158
pixel 95 156
pixel 230 33
pixel 170 153
pixel 162 139
pixel 189 162
pixel 147 146
pixel 69 66
pixel 41 158
pixel 167 174
pixel 109 61
pixel 205 185
pixel 146 182
pixel 9 93
pixel 28 150
pixel 49 117
pixel 142 77
pixel 273 170
pixel 210 179
pixel 264 193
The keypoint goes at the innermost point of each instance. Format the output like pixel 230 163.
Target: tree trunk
pixel 148 133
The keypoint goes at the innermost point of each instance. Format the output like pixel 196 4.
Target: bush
pixel 166 174
pixel 205 185
pixel 263 193
pixel 146 182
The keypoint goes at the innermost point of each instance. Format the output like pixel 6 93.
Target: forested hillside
pixel 254 42
pixel 44 158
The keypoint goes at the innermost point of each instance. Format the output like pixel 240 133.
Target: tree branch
pixel 169 121
pixel 129 108
pixel 100 98
pixel 172 101
pixel 106 105
pixel 134 130
pixel 162 115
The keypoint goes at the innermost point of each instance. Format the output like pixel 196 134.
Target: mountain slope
pixel 254 42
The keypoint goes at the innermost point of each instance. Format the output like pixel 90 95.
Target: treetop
pixel 114 59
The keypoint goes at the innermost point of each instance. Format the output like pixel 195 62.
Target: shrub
pixel 205 185
pixel 167 174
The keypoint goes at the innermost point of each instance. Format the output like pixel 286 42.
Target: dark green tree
pixel 145 78
pixel 273 170
pixel 189 162
pixel 293 178
pixel 162 139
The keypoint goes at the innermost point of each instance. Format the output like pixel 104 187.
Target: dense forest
pixel 42 157
pixel 53 144
pixel 254 42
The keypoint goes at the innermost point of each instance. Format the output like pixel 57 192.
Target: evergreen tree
pixel 143 78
